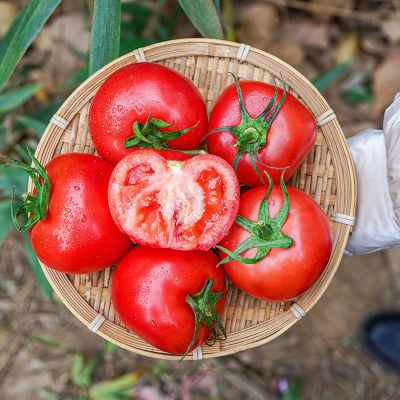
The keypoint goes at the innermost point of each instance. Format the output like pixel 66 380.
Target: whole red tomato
pixel 77 234
pixel 156 293
pixel 184 205
pixel 258 138
pixel 288 242
pixel 146 92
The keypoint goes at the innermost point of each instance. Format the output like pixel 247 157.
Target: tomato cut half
pixel 182 205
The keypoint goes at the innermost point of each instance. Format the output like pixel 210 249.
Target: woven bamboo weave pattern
pixel 327 174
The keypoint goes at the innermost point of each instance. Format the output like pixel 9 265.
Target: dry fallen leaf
pixel 391 29
pixel 386 83
pixel 288 51
pixel 58 43
pixel 347 47
pixel 258 25
pixel 306 33
pixel 8 11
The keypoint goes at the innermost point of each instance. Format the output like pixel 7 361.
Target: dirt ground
pixel 319 358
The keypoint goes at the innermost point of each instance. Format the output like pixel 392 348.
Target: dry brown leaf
pixel 258 25
pixel 306 33
pixel 391 29
pixel 8 11
pixel 347 47
pixel 56 42
pixel 386 83
pixel 373 43
pixel 288 51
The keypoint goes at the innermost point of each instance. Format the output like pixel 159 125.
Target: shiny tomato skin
pixel 185 205
pixel 131 94
pixel 79 235
pixel 149 290
pixel 289 138
pixel 284 273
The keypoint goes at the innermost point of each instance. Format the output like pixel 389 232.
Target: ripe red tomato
pixel 284 273
pixel 150 290
pixel 285 143
pixel 180 205
pixel 135 93
pixel 78 235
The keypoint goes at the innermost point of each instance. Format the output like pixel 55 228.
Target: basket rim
pixel 68 294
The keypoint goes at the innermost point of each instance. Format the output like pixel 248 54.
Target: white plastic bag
pixel 376 156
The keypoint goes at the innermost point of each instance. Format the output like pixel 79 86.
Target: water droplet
pixel 77 188
pixel 84 218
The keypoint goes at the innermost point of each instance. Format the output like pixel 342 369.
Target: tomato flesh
pixel 180 205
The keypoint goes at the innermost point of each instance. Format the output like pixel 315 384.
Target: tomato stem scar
pixel 266 232
pixel 149 135
pixel 204 308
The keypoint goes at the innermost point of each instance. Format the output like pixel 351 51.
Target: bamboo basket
pixel 327 174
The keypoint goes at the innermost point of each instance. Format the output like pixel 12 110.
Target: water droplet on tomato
pixel 77 188
pixel 84 218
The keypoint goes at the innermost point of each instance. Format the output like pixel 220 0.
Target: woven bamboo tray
pixel 327 174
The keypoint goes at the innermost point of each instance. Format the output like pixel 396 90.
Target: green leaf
pixel 46 394
pixel 106 27
pixel 328 78
pixel 32 124
pixel 358 94
pixel 21 34
pixel 204 16
pixel 120 388
pixel 37 269
pixel 109 347
pixel 87 372
pixel 13 98
pixel 12 179
pixel 45 112
pixel 76 369
pixel 5 219
pixel 295 390
pixel 47 340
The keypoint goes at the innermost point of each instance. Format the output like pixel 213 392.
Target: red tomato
pixel 288 139
pixel 284 273
pixel 180 205
pixel 78 235
pixel 149 291
pixel 133 93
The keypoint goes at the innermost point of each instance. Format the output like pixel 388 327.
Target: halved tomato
pixel 183 205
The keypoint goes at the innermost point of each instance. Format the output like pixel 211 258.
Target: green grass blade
pixel 328 78
pixel 204 16
pixel 105 37
pixel 37 270
pixel 13 98
pixel 34 125
pixel 21 34
pixel 5 219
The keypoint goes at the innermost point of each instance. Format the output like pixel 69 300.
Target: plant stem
pixel 228 18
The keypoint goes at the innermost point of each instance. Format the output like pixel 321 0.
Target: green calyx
pixel 204 308
pixel 266 233
pixel 34 206
pixel 251 133
pixel 149 135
